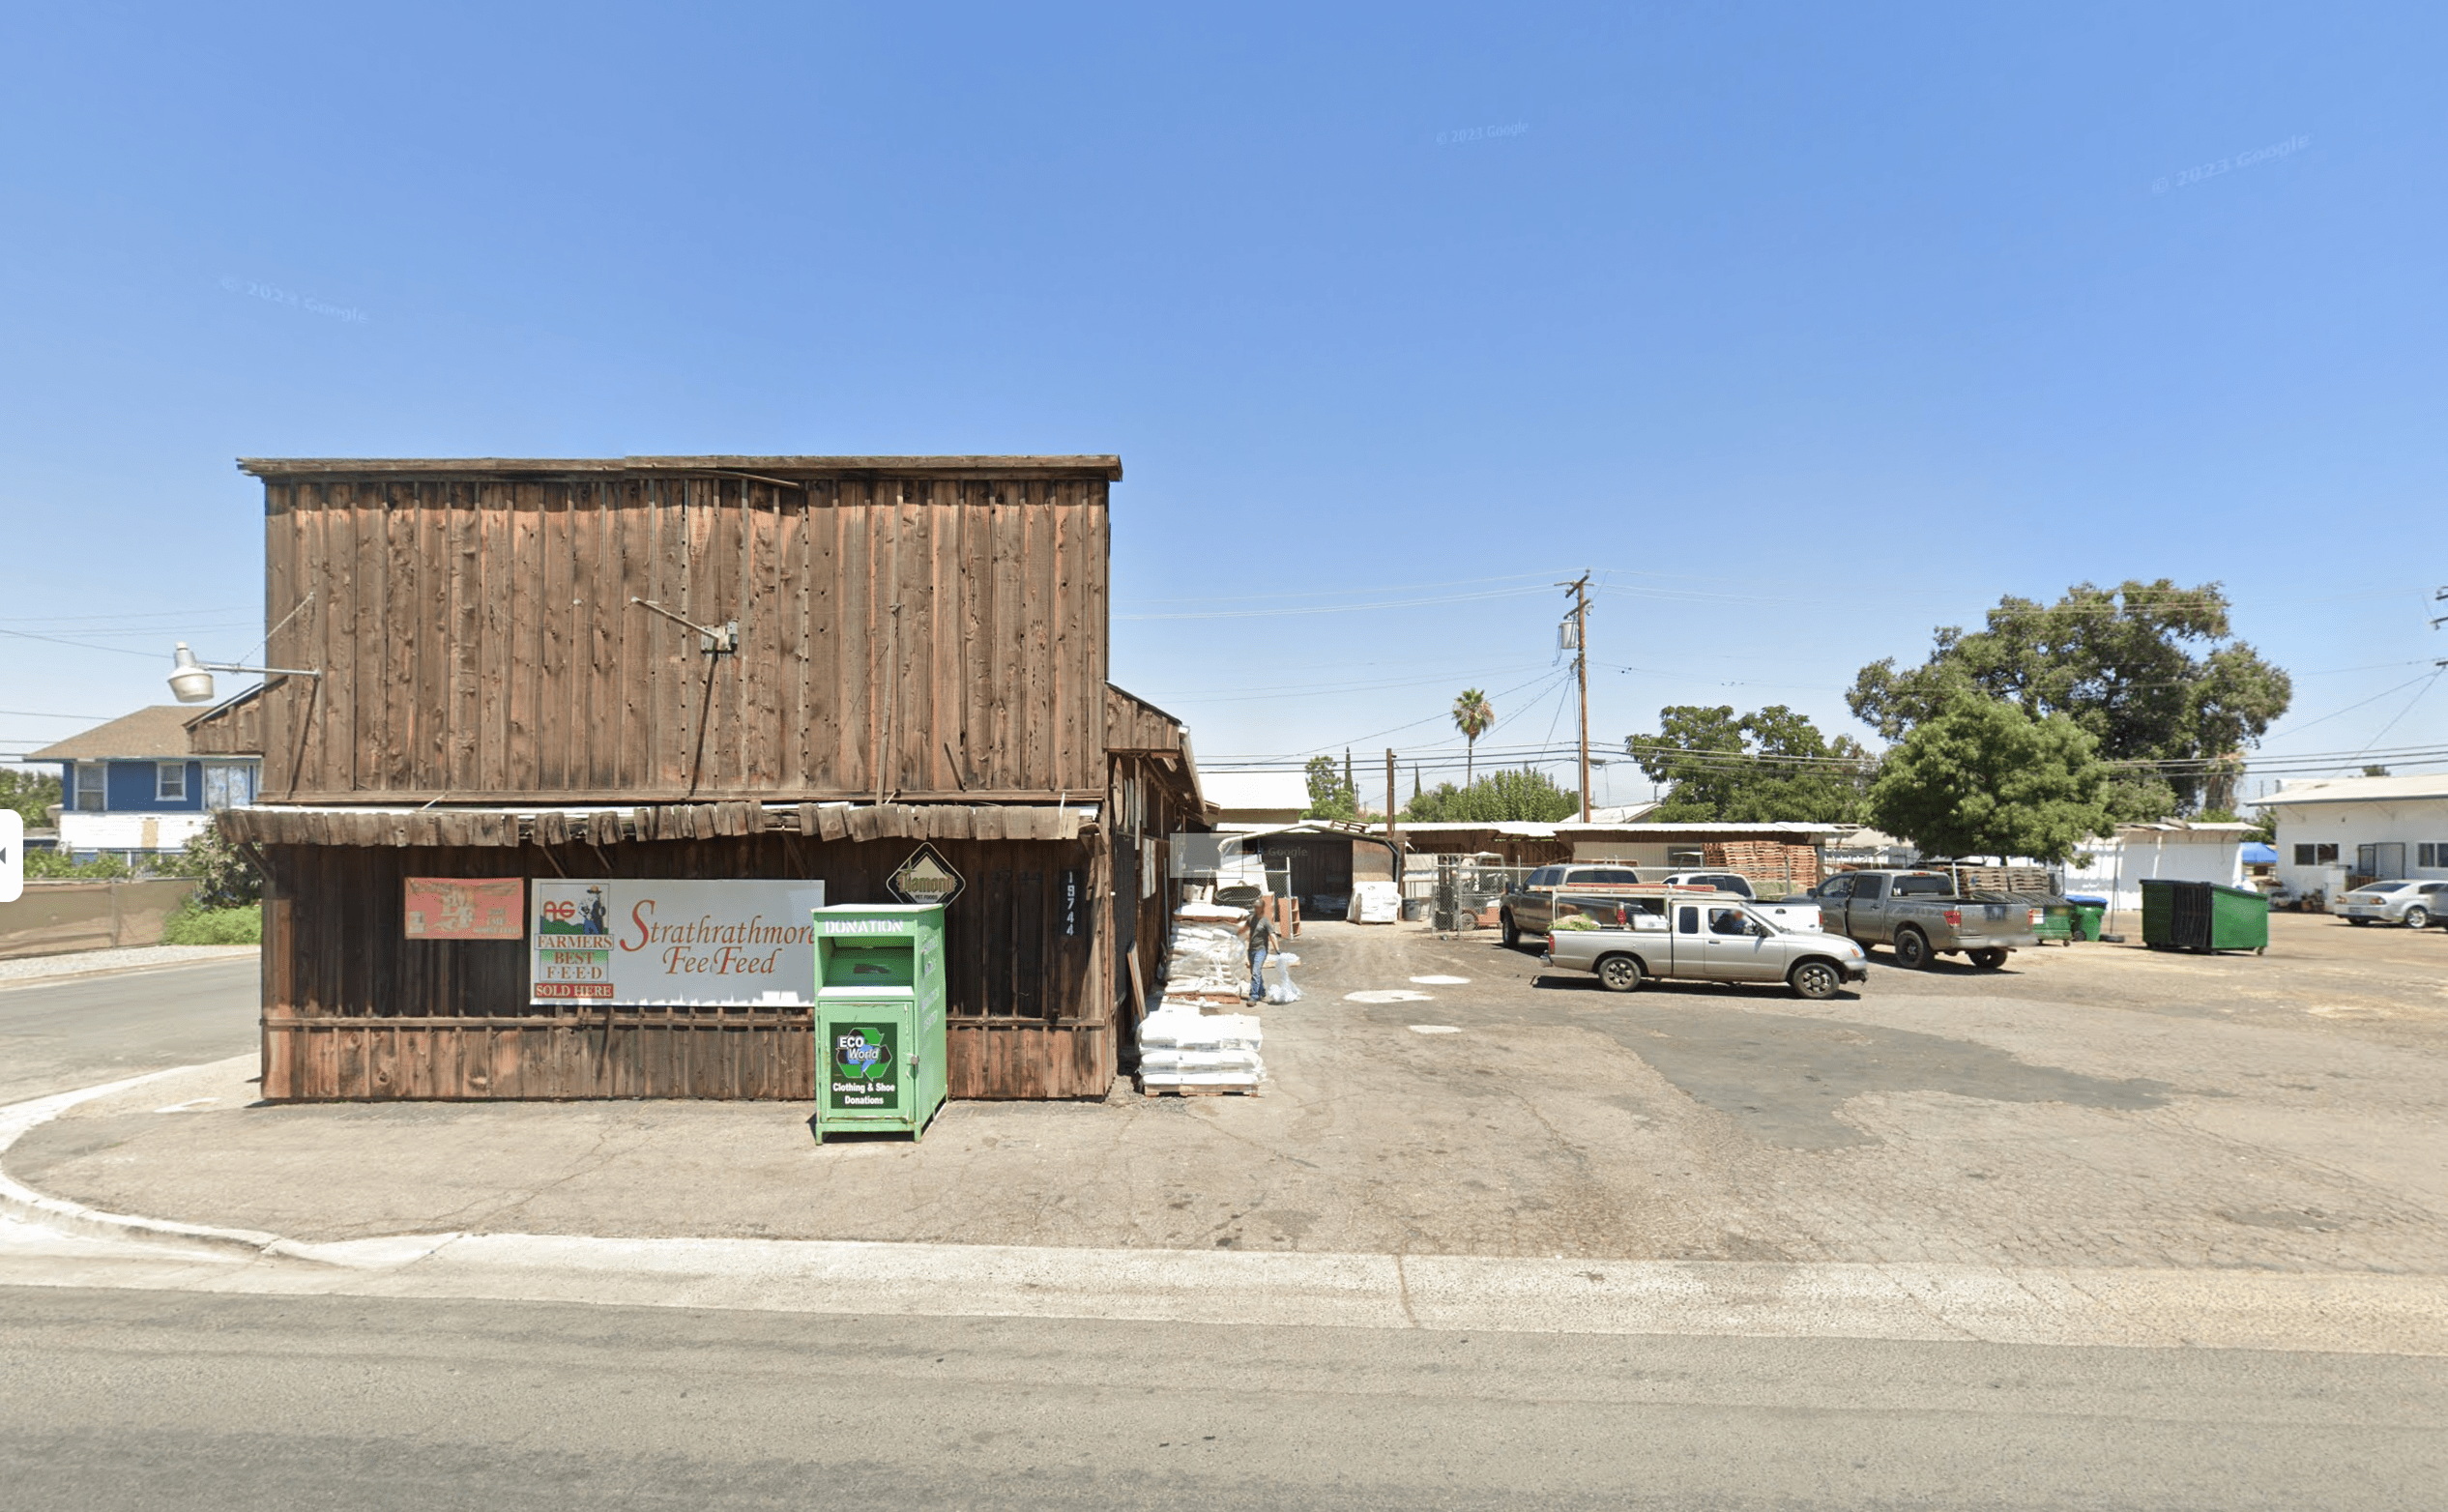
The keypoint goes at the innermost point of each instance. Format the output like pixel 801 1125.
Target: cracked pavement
pixel 2088 1107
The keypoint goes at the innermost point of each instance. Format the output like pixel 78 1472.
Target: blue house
pixel 147 782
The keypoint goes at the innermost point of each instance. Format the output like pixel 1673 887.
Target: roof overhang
pixel 771 469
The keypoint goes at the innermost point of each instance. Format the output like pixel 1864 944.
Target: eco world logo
pixel 864 1060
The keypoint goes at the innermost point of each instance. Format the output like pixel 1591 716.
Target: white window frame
pixel 235 780
pixel 93 787
pixel 169 781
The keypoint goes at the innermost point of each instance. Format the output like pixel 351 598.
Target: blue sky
pixel 1804 330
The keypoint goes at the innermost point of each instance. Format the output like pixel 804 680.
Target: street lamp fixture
pixel 191 681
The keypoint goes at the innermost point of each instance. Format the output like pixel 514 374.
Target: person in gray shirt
pixel 1260 930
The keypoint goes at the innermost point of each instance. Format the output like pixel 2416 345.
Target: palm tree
pixel 1473 715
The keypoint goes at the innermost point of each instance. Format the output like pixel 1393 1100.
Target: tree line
pixel 2051 724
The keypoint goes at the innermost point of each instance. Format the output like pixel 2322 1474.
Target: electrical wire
pixel 149 656
pixel 1358 608
pixel 1320 592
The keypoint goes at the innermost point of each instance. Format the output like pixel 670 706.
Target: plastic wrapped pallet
pixel 1375 903
pixel 1186 1060
pixel 1174 1028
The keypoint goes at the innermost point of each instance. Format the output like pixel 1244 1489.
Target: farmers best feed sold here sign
pixel 626 939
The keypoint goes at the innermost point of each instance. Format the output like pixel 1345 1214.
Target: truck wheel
pixel 1815 979
pixel 1512 936
pixel 1913 951
pixel 1619 974
pixel 1989 960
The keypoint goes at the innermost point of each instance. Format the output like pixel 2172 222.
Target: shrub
pixel 224 879
pixel 60 866
pixel 214 926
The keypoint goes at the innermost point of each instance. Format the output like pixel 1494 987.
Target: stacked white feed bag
pixel 1208 957
pixel 1375 903
pixel 1182 1047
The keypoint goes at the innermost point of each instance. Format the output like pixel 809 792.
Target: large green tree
pixel 1984 778
pixel 1760 769
pixel 1330 795
pixel 1523 795
pixel 2151 671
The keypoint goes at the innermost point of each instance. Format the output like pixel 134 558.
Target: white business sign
pixel 12 854
pixel 622 940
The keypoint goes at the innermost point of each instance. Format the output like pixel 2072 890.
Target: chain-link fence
pixel 1463 893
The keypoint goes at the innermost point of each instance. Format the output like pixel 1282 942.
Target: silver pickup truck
pixel 1919 914
pixel 1704 937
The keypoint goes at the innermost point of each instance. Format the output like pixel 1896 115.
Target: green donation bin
pixel 880 1039
pixel 2203 916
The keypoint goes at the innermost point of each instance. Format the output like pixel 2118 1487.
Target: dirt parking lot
pixel 2091 1105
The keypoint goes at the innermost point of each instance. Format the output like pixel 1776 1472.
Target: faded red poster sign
pixel 467 908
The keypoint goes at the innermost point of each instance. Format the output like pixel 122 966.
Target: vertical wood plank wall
pixel 355 1009
pixel 478 641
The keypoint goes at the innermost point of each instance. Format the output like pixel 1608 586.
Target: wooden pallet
pixel 1146 1091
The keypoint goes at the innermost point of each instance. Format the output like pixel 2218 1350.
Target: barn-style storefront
pixel 748 671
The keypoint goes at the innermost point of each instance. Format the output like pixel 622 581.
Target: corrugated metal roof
pixel 2359 790
pixel 154 734
pixel 1236 792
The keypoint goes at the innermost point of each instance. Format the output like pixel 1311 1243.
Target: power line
pixel 149 656
pixel 1396 588
pixel 1358 608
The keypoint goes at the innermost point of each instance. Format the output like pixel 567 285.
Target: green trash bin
pixel 2090 914
pixel 881 1036
pixel 2203 916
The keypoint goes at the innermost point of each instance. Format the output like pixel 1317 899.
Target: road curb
pixel 25 1203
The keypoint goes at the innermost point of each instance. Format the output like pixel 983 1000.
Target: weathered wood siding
pixel 235 728
pixel 478 642
pixel 353 1009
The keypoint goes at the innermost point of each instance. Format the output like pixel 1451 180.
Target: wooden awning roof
pixel 281 824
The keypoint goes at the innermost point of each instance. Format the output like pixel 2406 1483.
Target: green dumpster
pixel 2090 914
pixel 881 1043
pixel 2203 916
pixel 2055 918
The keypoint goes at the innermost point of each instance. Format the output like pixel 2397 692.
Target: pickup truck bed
pixel 1919 915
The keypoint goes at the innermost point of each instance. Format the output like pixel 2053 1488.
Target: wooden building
pixel 696 668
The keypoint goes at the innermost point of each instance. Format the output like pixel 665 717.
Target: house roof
pixel 154 734
pixel 1238 792
pixel 2358 790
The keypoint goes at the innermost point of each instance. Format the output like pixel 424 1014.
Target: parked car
pixel 1528 906
pixel 1706 936
pixel 2413 904
pixel 1919 914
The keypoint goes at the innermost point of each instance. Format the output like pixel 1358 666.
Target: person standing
pixel 1260 929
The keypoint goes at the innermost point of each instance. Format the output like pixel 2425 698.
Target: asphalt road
pixel 56 1036
pixel 177 1401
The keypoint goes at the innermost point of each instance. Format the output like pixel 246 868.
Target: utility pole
pixel 1579 588
pixel 1390 793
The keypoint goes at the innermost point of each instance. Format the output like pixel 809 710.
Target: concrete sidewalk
pixel 2075 1111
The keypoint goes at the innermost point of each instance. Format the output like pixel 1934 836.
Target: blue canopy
pixel 2257 854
